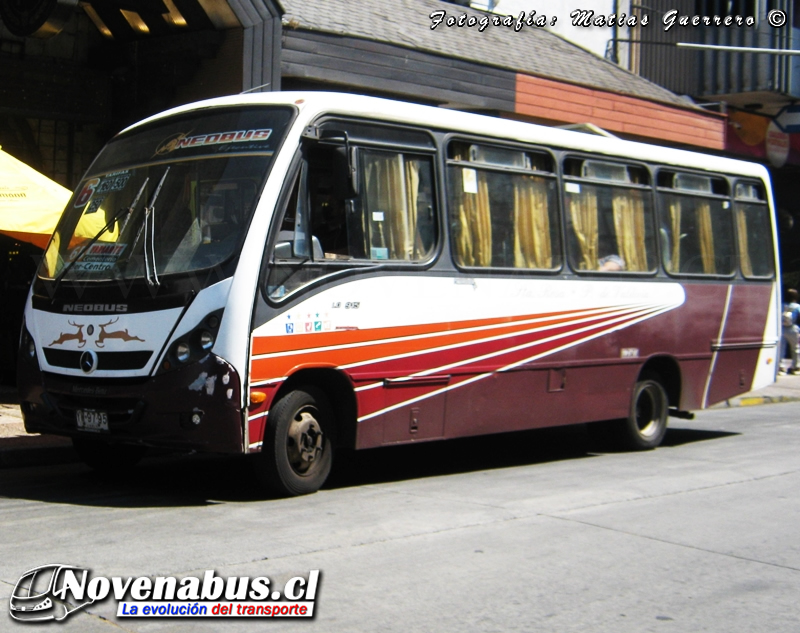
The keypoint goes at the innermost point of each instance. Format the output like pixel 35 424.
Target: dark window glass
pixel 174 196
pixel 502 218
pixel 697 235
pixel 610 229
pixel 755 239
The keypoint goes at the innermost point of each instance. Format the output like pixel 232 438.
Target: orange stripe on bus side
pixel 291 342
pixel 274 366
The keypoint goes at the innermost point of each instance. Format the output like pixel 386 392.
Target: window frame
pixel 648 188
pixel 333 268
pixel 552 176
pixel 661 191
pixel 764 203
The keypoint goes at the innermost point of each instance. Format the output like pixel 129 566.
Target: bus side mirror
pixel 283 250
pixel 345 169
pixel 332 149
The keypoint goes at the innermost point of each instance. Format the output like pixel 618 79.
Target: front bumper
pixel 196 407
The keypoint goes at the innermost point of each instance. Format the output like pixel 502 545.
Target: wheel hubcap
pixel 647 411
pixel 305 442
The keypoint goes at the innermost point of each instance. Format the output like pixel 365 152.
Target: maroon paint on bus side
pixel 589 381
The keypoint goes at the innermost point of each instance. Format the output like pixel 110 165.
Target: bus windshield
pixel 175 196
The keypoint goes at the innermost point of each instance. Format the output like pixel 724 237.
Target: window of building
pixel 722 8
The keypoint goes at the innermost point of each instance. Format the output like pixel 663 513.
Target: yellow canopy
pixel 30 203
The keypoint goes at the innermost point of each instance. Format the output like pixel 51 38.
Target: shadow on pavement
pixel 201 480
pixel 431 459
pixel 679 437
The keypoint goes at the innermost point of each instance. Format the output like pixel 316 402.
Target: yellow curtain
pixel 629 225
pixel 675 228
pixel 412 247
pixel 392 184
pixel 474 245
pixel 385 216
pixel 744 248
pixel 706 237
pixel 583 213
pixel 532 247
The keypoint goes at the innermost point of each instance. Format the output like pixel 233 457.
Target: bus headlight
pixel 206 340
pixel 183 352
pixel 27 346
pixel 195 344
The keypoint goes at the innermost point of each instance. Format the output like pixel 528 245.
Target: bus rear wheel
pixel 646 424
pixel 105 457
pixel 297 453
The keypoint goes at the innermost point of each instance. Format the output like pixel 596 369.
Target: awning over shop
pixel 30 203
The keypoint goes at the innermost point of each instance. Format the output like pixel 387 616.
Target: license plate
pixel 91 420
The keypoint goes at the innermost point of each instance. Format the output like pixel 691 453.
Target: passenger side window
pixel 754 231
pixel 393 218
pixel 609 217
pixel 325 228
pixel 696 224
pixel 503 208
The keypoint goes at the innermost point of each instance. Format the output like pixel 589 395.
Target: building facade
pixel 73 73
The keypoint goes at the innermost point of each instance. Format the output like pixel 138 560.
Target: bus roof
pixel 314 104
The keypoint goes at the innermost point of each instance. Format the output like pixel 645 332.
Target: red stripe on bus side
pixel 282 365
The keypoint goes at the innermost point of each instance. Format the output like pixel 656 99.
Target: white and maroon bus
pixel 289 274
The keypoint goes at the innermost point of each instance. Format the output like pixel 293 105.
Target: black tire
pixel 646 424
pixel 105 457
pixel 297 453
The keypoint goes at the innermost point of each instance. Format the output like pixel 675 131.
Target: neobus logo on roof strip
pixel 53 592
pixel 183 140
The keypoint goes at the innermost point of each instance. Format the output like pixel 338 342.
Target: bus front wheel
pixel 297 453
pixel 646 424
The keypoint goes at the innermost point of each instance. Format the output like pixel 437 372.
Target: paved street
pixel 524 532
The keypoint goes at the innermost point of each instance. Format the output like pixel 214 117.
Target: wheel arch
pixel 340 392
pixel 668 372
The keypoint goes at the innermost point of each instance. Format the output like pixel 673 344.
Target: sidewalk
pixel 18 448
pixel 786 389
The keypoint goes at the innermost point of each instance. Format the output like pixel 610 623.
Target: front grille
pixel 70 359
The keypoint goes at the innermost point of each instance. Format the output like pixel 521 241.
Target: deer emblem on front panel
pixel 74 336
pixel 120 334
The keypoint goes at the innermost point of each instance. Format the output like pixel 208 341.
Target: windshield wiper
pixel 132 208
pixel 150 227
pixel 129 210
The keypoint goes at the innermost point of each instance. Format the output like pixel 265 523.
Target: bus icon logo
pixel 41 594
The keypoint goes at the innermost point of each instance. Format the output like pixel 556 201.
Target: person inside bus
pixel 611 264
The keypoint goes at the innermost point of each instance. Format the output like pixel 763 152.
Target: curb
pixel 752 401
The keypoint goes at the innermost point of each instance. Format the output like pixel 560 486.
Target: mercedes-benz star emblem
pixel 88 361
